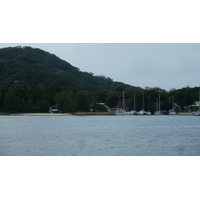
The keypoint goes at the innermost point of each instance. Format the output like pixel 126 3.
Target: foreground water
pixel 99 136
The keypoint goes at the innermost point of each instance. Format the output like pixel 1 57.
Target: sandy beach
pixel 58 114
pixel 39 114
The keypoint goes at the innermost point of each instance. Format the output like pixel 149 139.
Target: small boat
pixel 133 112
pixel 142 112
pixel 158 112
pixel 148 113
pixel 172 112
pixel 197 113
pixel 122 112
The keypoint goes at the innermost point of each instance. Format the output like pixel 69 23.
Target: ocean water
pixel 99 136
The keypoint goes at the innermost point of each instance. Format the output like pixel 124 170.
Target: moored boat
pixel 123 111
pixel 148 113
pixel 197 113
pixel 172 112
pixel 142 112
pixel 158 111
pixel 133 112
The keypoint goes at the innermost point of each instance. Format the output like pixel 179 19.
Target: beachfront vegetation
pixel 39 97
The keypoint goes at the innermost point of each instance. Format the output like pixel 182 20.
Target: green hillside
pixel 26 66
pixel 32 80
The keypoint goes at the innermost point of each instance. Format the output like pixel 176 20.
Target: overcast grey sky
pixel 141 43
pixel 164 65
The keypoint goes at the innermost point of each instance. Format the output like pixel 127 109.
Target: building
pixel 195 106
pixel 54 109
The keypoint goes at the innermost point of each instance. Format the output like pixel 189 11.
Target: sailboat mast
pixel 123 100
pixel 199 99
pixel 159 102
pixel 149 103
pixel 143 100
pixel 134 101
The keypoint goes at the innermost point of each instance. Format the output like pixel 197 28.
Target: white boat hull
pixel 196 113
pixel 158 112
pixel 133 112
pixel 141 112
pixel 122 113
pixel 172 113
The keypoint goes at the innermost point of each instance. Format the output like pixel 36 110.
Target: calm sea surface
pixel 99 136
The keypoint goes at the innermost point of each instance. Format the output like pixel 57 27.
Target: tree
pixel 82 102
pixel 64 102
pixel 112 100
pixel 12 101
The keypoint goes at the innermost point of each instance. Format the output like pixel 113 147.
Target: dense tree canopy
pixel 39 97
pixel 27 66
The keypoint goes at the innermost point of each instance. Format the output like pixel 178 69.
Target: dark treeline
pixel 39 97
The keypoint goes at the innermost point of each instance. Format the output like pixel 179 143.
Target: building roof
pixel 196 103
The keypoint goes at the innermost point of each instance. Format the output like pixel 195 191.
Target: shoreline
pixel 59 114
pixel 94 113
pixel 74 114
pixel 36 114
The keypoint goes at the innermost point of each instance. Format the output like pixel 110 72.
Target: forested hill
pixel 26 66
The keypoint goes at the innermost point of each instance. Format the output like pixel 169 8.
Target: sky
pixel 165 65
pixel 141 43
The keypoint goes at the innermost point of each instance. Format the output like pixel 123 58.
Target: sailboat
pixel 123 111
pixel 134 112
pixel 148 112
pixel 172 111
pixel 142 112
pixel 158 112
